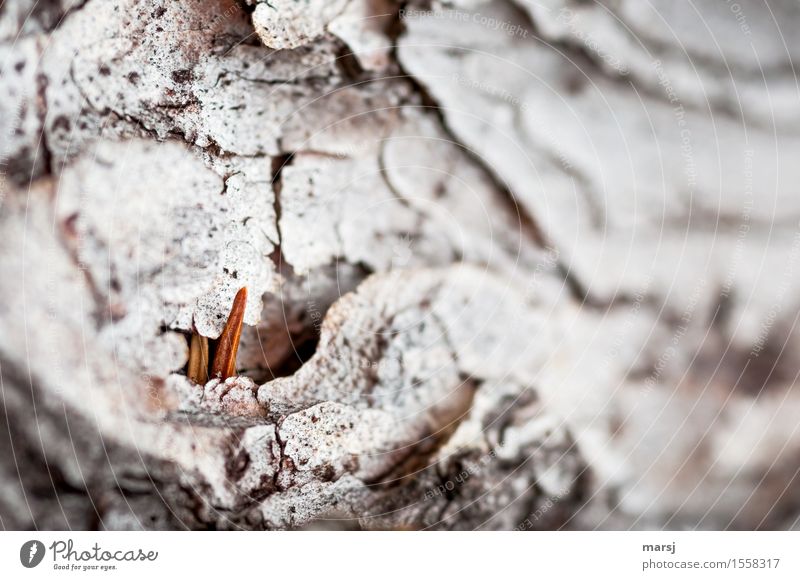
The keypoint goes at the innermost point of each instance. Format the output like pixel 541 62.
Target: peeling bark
pixel 491 284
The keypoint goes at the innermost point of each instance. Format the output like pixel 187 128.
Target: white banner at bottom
pixel 400 555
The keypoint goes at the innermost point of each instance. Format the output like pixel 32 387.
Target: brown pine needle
pixel 224 364
pixel 198 359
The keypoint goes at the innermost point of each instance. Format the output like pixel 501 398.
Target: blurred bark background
pixel 510 264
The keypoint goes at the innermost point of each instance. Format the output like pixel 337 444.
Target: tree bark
pixel 510 265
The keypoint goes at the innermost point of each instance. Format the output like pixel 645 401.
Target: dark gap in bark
pixel 279 163
pixel 290 330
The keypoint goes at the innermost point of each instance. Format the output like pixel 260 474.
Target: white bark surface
pixel 509 264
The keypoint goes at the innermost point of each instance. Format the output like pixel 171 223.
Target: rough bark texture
pixel 509 264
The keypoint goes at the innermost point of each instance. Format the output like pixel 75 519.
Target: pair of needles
pixel 224 363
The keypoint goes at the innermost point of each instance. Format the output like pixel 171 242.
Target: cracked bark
pixel 435 335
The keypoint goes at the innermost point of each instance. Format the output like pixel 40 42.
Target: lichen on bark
pixel 477 294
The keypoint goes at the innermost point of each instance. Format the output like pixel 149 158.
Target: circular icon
pixel 31 553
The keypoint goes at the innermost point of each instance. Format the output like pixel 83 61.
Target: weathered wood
pixel 509 265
